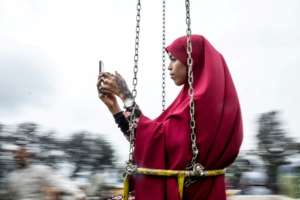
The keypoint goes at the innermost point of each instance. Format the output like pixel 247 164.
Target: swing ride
pixel 195 169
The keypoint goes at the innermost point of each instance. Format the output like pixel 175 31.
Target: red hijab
pixel 164 143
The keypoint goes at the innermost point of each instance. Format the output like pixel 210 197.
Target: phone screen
pixel 101 66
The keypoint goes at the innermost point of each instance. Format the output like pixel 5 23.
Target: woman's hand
pixel 115 84
pixel 107 97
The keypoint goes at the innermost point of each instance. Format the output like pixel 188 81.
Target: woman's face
pixel 178 71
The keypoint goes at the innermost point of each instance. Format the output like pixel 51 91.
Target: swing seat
pixel 180 174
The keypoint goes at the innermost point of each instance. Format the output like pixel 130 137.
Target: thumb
pixel 117 73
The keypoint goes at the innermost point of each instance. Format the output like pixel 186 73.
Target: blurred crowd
pixel 37 181
pixel 35 164
pixel 32 181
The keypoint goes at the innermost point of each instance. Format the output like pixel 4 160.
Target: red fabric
pixel 164 143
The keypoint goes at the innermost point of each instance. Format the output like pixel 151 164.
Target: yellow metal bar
pixel 162 172
pixel 166 172
pixel 216 172
pixel 180 182
pixel 126 188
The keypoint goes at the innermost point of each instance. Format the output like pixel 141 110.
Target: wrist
pixel 122 97
pixel 129 103
pixel 115 109
pixel 125 95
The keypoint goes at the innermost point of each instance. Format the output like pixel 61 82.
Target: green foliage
pixel 273 145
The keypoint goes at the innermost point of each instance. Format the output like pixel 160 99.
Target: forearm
pixel 122 119
pixel 114 108
pixel 122 122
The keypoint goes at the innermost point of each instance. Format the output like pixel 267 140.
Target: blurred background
pixel 51 121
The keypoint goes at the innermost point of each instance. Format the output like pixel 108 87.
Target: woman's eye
pixel 172 58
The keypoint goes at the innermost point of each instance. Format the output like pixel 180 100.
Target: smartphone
pixel 101 66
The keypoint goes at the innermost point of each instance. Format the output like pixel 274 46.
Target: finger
pixel 99 82
pixel 106 88
pixel 106 74
pixel 105 95
pixel 112 78
pixel 117 74
pixel 102 96
pixel 109 97
pixel 107 82
pixel 109 74
pixel 100 74
pixel 111 81
pixel 99 89
pixel 103 74
pixel 98 85
pixel 101 85
pixel 106 91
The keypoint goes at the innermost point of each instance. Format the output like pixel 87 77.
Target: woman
pixel 164 143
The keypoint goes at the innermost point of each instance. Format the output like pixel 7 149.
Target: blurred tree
pixel 1 127
pixel 235 171
pixel 2 164
pixel 103 154
pixel 89 153
pixel 273 145
pixel 27 132
pixel 27 128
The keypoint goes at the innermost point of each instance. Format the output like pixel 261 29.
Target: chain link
pixel 194 165
pixel 130 167
pixel 163 103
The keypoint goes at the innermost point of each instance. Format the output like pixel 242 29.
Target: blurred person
pixel 254 183
pixel 37 182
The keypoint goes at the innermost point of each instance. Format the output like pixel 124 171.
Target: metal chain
pixel 130 168
pixel 194 164
pixel 163 103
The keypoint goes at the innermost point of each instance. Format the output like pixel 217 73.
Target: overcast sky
pixel 50 50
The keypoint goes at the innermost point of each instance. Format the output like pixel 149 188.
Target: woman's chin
pixel 178 83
